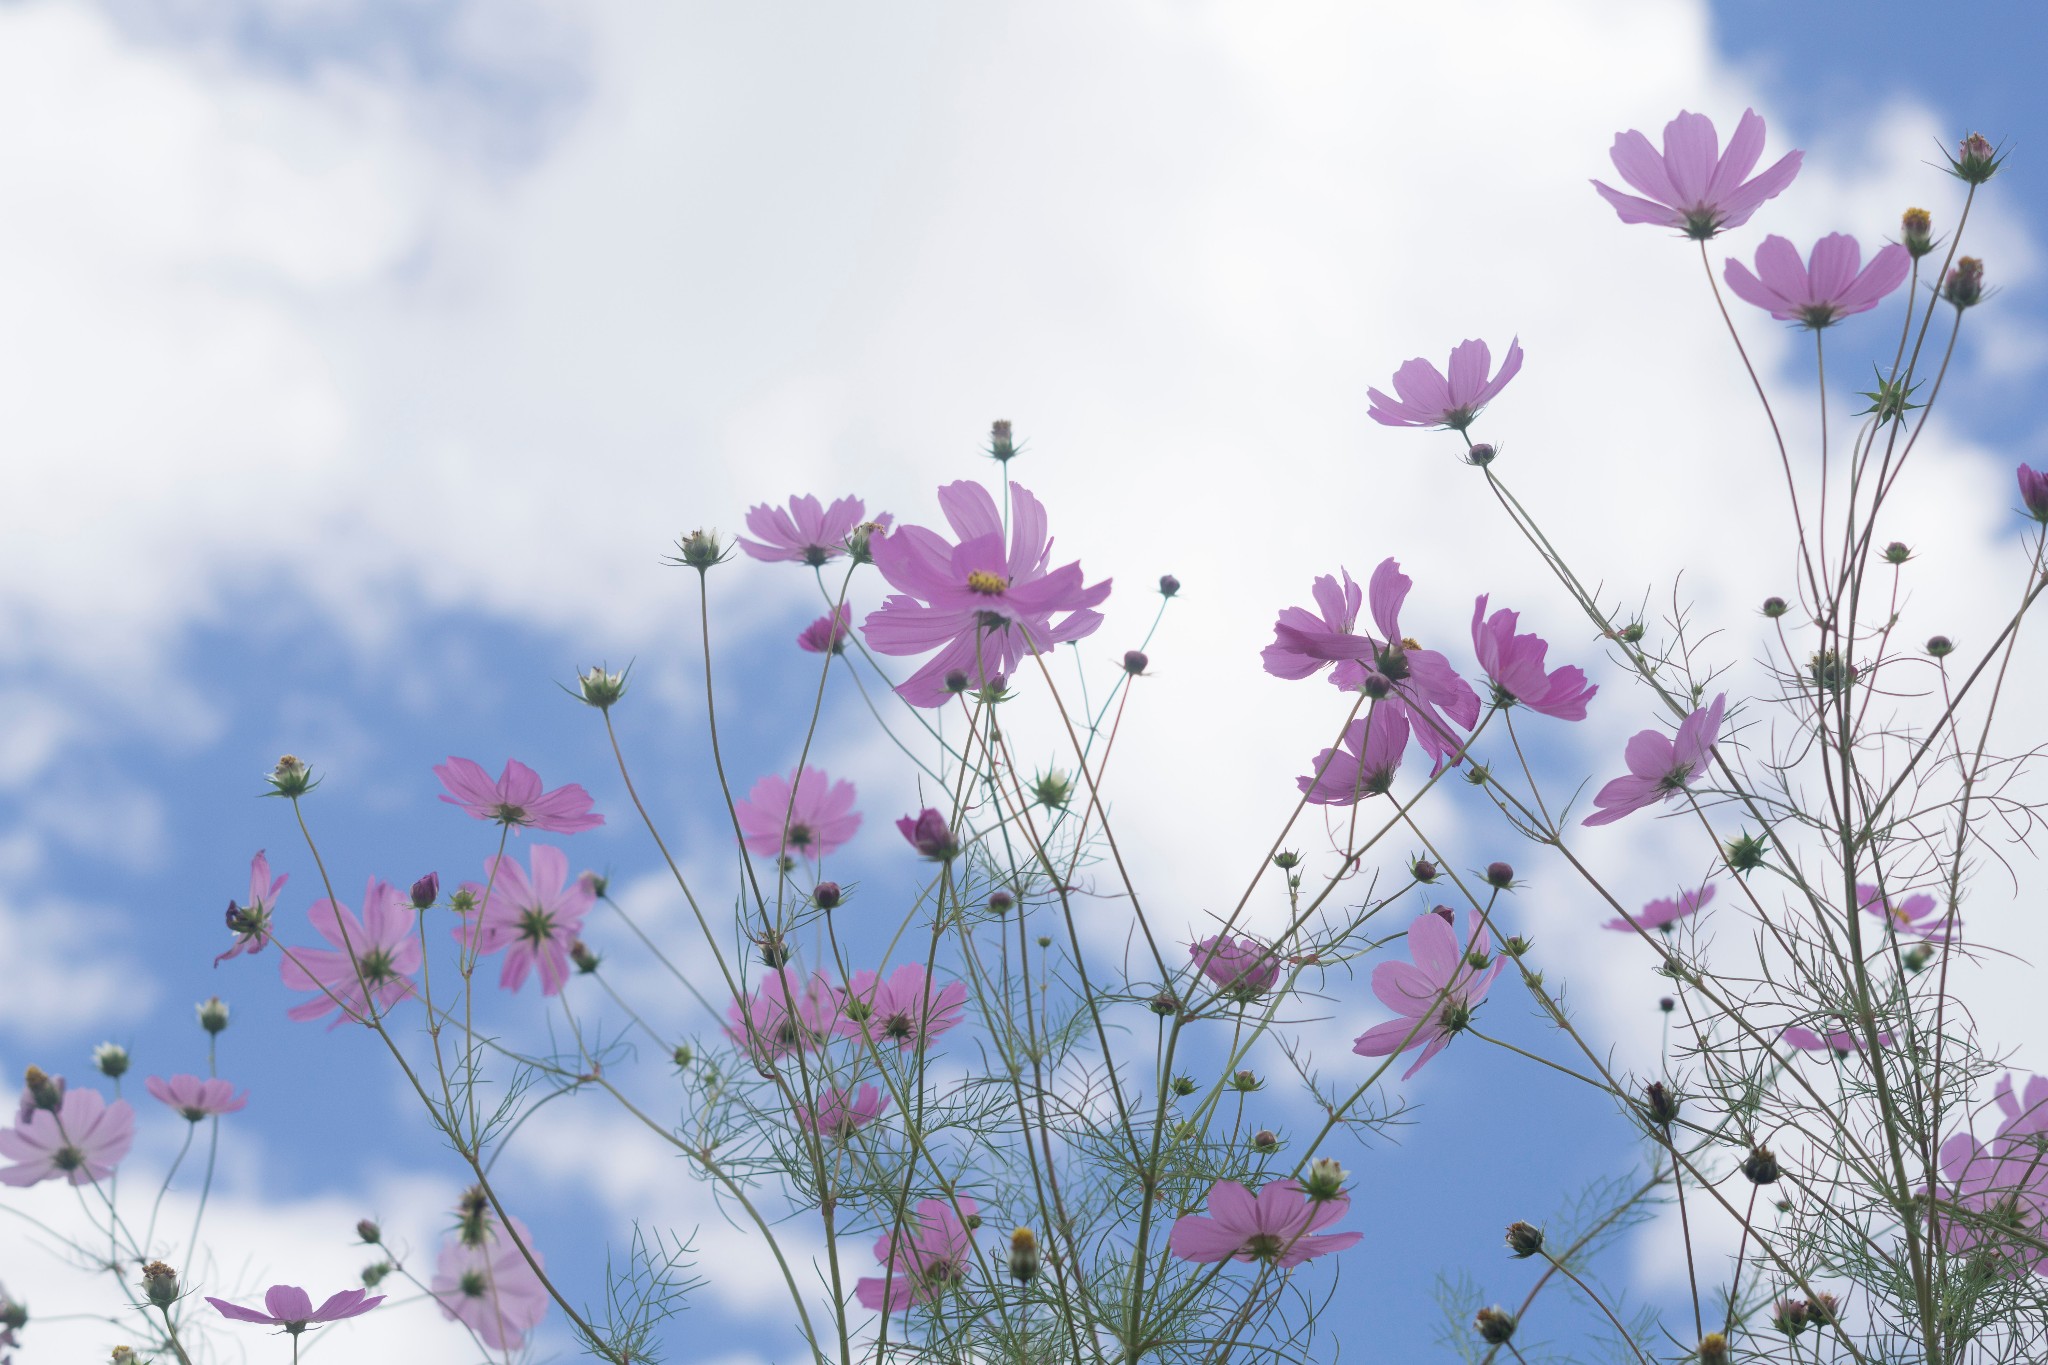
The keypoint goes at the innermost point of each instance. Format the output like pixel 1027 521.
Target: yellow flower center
pixel 982 581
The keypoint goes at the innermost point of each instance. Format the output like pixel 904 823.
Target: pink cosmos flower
pixel 928 834
pixel 983 609
pixel 808 533
pixel 1243 967
pixel 920 1265
pixel 490 1287
pixel 786 1014
pixel 818 820
pixel 1915 915
pixel 1825 291
pixel 1840 1041
pixel 196 1098
pixel 250 924
pixel 2026 1111
pixel 1279 1226
pixel 1515 663
pixel 1665 912
pixel 1365 762
pixel 1660 768
pixel 2034 492
pixel 1434 996
pixel 1418 683
pixel 290 1307
pixel 828 634
pixel 516 798
pixel 1993 1186
pixel 369 968
pixel 1430 400
pixel 533 918
pixel 1694 186
pixel 81 1141
pixel 842 1113
pixel 897 1010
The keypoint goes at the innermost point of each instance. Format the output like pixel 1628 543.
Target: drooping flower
pixel 2034 492
pixel 785 1014
pixel 1995 1189
pixel 1917 915
pixel 842 1113
pixel 808 533
pixel 250 924
pixel 370 966
pixel 81 1141
pixel 1515 664
pixel 1429 399
pixel 1825 291
pixel 898 1010
pixel 921 1263
pixel 1659 767
pixel 1363 764
pixel 482 1279
pixel 817 819
pixel 196 1097
pixel 1406 678
pixel 533 918
pixel 1841 1041
pixel 928 834
pixel 1694 186
pixel 827 634
pixel 983 609
pixel 516 798
pixel 1243 967
pixel 1434 995
pixel 1665 912
pixel 1282 1225
pixel 290 1307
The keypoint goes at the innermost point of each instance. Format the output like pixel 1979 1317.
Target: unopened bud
pixel 1975 161
pixel 1774 607
pixel 1964 286
pixel 699 550
pixel 1000 442
pixel 13 1314
pixel 1824 1310
pixel 1660 1104
pixel 1326 1179
pixel 1897 553
pixel 1480 455
pixel 973 1221
pixel 1500 875
pixel 774 951
pixel 1514 945
pixel 1168 585
pixel 1135 662
pixel 1287 860
pixel 580 954
pixel 1632 633
pixel 123 1355
pixel 1023 1255
pixel 44 1090
pixel 827 895
pixel 369 1232
pixel 1917 957
pixel 213 1014
pixel 1245 1080
pixel 111 1059
pixel 1001 902
pixel 1666 1004
pixel 160 1284
pixel 1164 1003
pixel 600 687
pixel 1524 1239
pixel 1266 1141
pixel 374 1273
pixel 463 900
pixel 1376 686
pixel 1423 870
pixel 426 891
pixel 1916 230
pixel 1745 852
pixel 683 1055
pixel 1495 1325
pixel 1789 1316
pixel 1760 1166
pixel 1940 646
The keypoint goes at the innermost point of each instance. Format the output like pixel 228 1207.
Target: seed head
pixel 700 550
pixel 160 1284
pixel 1760 1166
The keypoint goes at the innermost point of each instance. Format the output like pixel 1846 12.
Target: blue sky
pixel 400 341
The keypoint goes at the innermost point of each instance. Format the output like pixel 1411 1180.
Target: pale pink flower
pixel 1243 967
pixel 1515 664
pixel 2026 1111
pixel 828 634
pixel 903 1010
pixel 817 819
pixel 197 1098
pixel 516 798
pixel 1994 1186
pixel 290 1307
pixel 1665 912
pixel 1279 1226
pixel 81 1141
pixel 921 1264
pixel 250 924
pixel 370 966
pixel 1841 1041
pixel 1429 399
pixel 786 1014
pixel 1660 768
pixel 490 1287
pixel 842 1113
pixel 1694 186
pixel 1825 291
pixel 808 533
pixel 1364 762
pixel 533 918
pixel 1917 915
pixel 1432 997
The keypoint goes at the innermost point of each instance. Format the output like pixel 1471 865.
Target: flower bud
pixel 123 1355
pixel 1975 161
pixel 368 1231
pixel 1287 860
pixel 1045 940
pixel 1632 633
pixel 1478 774
pixel 1916 230
pixel 463 901
pixel 1789 1316
pixel 111 1059
pixel 1940 646
pixel 580 954
pixel 44 1090
pixel 290 779
pixel 600 687
pixel 213 1014
pixel 699 550
pixel 1660 1104
pixel 1495 1326
pixel 1245 1081
pixel 1964 286
pixel 1745 852
pixel 928 834
pixel 1713 1349
pixel 1824 1310
pixel 1023 1255
pixel 1164 1003
pixel 1052 789
pixel 160 1284
pixel 973 1221
pixel 1265 1141
pixel 1524 1240
pixel 1897 553
pixel 827 895
pixel 1001 902
pixel 1326 1179
pixel 683 1055
pixel 1000 442
pixel 374 1273
pixel 1168 585
pixel 774 950
pixel 1480 455
pixel 1760 1166
pixel 1917 957
pixel 1376 686
pixel 426 891
pixel 1500 875
pixel 13 1314
pixel 1666 1004
pixel 1774 607
pixel 1135 662
pixel 1514 945
pixel 1423 870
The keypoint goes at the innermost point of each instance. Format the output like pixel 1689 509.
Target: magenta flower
pixel 1660 768
pixel 1430 400
pixel 1416 682
pixel 1280 1226
pixel 1348 774
pixel 196 1098
pixel 1821 293
pixel 808 533
pixel 1694 186
pixel 250 924
pixel 904 1010
pixel 983 609
pixel 842 1113
pixel 1243 967
pixel 828 634
pixel 2034 492
pixel 1840 1041
pixel 817 820
pixel 2002 1184
pixel 1515 663
pixel 2026 1111
pixel 928 834
pixel 1915 915
pixel 291 1307
pixel 482 1279
pixel 920 1265
pixel 785 1014
pixel 81 1141
pixel 516 798
pixel 369 968
pixel 1664 912
pixel 1434 996
pixel 533 918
